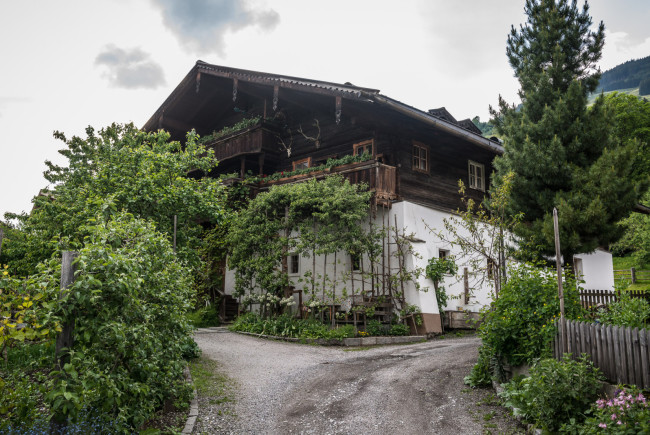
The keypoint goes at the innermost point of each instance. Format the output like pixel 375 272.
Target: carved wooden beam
pixel 337 113
pixel 276 93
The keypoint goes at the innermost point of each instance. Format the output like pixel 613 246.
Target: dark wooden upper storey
pixel 305 122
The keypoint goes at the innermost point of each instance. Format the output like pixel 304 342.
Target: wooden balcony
pixel 260 138
pixel 381 179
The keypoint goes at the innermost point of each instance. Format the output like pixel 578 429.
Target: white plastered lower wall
pixel 414 220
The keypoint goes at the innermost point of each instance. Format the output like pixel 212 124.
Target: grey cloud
pixel 200 25
pixel 130 69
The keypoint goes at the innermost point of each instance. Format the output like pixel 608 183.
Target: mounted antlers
pixel 286 147
pixel 316 139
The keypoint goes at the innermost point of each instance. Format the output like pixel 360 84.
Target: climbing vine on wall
pixel 314 218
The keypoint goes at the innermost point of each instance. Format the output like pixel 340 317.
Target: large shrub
pixel 521 323
pixel 627 311
pixel 554 392
pixel 128 306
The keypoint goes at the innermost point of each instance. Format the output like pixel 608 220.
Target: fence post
pixel 633 275
pixel 65 338
pixel 560 290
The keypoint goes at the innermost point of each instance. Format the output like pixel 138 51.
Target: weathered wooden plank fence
pixel 622 354
pixel 590 298
pixel 632 274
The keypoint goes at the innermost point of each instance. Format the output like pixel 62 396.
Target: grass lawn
pixel 625 263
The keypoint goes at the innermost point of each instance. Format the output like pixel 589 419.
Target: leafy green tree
pixel 119 168
pixel 128 306
pixel 308 219
pixel 562 153
pixel 631 122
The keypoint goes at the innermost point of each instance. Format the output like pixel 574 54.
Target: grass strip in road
pixel 210 383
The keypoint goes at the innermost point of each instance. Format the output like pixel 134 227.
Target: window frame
pixel 421 147
pixel 300 162
pixel 491 268
pixel 472 178
pixel 355 262
pixel 364 144
pixel 293 259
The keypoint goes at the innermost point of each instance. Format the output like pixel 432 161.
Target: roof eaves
pixel 440 123
pixel 248 75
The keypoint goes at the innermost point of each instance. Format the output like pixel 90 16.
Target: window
pixel 491 268
pixel 420 158
pixel 476 176
pixel 355 261
pixel 294 264
pixel 322 160
pixel 363 147
pixel 443 253
pixel 578 268
pixel 302 164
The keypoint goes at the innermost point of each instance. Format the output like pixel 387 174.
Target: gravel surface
pixel 287 388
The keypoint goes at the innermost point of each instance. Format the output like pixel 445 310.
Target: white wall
pixel 413 219
pixel 597 270
pixel 424 223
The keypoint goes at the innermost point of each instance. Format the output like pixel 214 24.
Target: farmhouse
pixel 261 124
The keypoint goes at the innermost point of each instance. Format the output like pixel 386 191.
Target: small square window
pixel 443 253
pixel 302 164
pixel 365 147
pixel 420 158
pixel 476 176
pixel 294 264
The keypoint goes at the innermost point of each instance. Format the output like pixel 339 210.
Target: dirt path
pixel 293 388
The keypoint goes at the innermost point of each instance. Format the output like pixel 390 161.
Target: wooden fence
pixel 633 275
pixel 591 298
pixel 622 354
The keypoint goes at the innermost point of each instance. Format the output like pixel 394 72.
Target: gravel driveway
pixel 288 388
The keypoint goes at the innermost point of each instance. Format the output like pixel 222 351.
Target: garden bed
pixel 356 341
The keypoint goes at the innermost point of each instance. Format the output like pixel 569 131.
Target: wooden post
pixel 333 310
pixel 632 273
pixel 400 262
pixel 560 290
pixel 65 338
pixel 466 285
pixel 175 223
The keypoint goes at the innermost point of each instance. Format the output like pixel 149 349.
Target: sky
pixel 69 64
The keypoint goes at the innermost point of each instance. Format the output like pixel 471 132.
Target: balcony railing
pixel 261 137
pixel 381 179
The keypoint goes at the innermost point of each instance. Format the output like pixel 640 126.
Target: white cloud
pixel 621 47
pixel 130 69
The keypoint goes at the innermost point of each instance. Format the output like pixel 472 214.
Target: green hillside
pixel 631 91
pixel 628 75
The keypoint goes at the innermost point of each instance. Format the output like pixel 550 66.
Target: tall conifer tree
pixel 561 152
